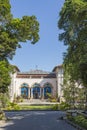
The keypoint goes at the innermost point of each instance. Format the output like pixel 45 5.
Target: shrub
pixel 55 107
pixel 3 99
pixel 19 99
pixel 80 120
pixel 53 100
pixel 2 115
pixel 13 106
pixel 64 106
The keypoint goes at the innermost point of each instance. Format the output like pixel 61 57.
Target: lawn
pixel 15 106
pixel 36 107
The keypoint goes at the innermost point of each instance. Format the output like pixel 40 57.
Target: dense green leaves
pixel 5 78
pixel 73 20
pixel 24 29
pixel 13 31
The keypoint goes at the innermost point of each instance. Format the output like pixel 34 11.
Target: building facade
pixel 37 84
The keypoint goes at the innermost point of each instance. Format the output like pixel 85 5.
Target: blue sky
pixel 48 51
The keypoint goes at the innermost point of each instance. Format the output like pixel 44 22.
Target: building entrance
pixel 47 92
pixel 36 92
pixel 24 92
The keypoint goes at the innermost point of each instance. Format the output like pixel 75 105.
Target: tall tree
pixel 13 31
pixel 73 22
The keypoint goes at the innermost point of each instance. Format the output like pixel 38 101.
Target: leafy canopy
pixel 13 31
pixel 73 22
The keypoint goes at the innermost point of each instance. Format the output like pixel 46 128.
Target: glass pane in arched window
pixel 47 91
pixel 24 90
pixel 36 91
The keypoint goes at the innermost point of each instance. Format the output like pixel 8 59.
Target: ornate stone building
pixel 36 84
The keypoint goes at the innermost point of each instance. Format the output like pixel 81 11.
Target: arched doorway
pixel 24 90
pixel 36 91
pixel 47 90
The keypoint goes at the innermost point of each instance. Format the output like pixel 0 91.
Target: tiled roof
pixel 36 72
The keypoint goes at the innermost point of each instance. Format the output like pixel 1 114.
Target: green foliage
pixel 73 22
pixel 18 99
pixel 79 120
pixel 73 94
pixel 50 97
pixel 3 103
pixel 13 106
pixel 13 31
pixel 4 99
pixel 55 107
pixel 5 79
pixel 2 115
pixel 64 106
pixel 53 100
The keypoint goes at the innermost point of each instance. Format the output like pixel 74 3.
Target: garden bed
pixel 77 118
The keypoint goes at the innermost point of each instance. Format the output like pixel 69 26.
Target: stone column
pixel 31 93
pixel 42 93
pixel 28 93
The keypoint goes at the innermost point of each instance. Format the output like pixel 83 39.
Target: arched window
pixel 24 90
pixel 47 90
pixel 36 91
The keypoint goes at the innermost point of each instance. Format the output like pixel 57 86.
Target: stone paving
pixel 35 120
